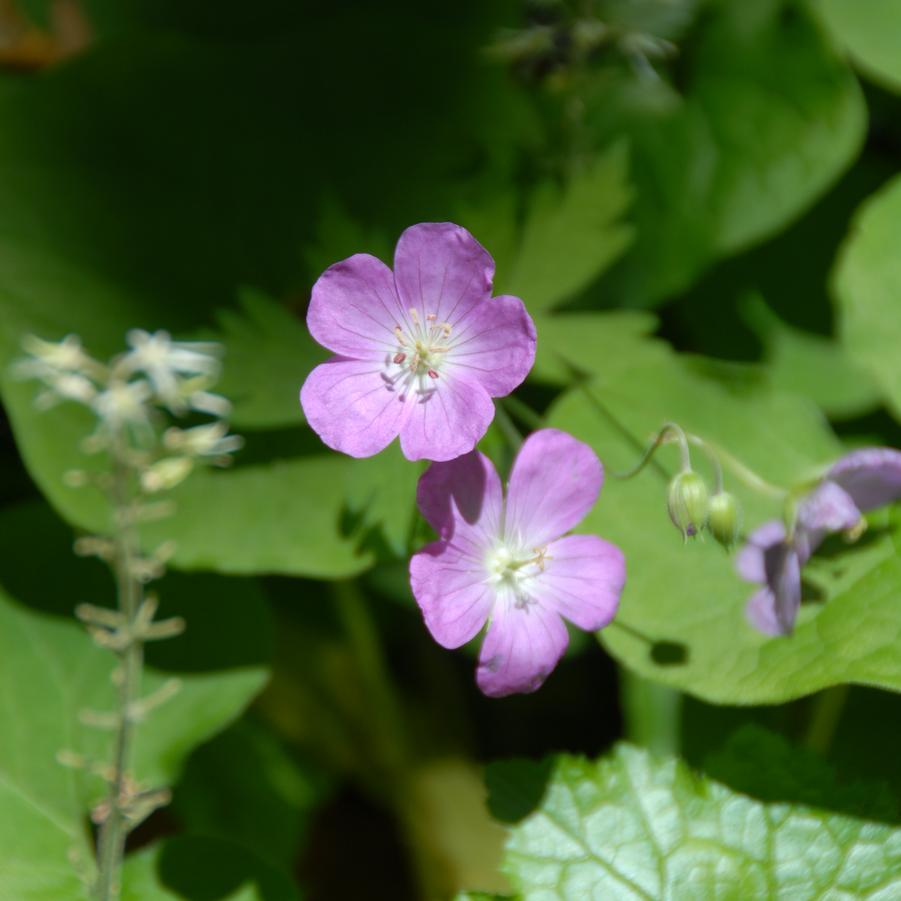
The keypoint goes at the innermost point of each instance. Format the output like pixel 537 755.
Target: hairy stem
pixel 668 429
pixel 113 831
pixel 739 470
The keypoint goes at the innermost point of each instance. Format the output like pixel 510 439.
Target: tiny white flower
pixel 67 355
pixel 209 440
pixel 166 474
pixel 123 402
pixel 207 402
pixel 162 360
pixel 65 386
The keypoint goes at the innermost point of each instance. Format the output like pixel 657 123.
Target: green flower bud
pixel 724 518
pixel 687 503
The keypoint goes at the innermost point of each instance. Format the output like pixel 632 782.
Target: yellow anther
pixel 414 315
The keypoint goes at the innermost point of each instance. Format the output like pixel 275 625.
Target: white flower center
pixel 513 568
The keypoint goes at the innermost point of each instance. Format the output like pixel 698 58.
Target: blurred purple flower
pixel 420 351
pixel 505 562
pixel 858 482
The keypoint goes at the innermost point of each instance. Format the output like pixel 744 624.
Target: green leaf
pixel 571 235
pixel 245 787
pixel 193 868
pixel 590 342
pixel 631 827
pixel 268 354
pixel 768 119
pixel 285 517
pixel 813 366
pixel 382 491
pixel 681 620
pixel 54 671
pixel 870 32
pixel 867 286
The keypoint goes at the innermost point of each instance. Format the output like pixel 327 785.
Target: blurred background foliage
pixel 698 201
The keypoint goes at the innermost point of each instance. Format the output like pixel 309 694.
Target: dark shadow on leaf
pixel 810 593
pixel 516 787
pixel 204 869
pixel 669 653
pixel 764 765
pixel 661 651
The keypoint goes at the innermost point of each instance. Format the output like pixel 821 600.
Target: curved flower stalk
pixel 508 562
pixel 131 396
pixel 774 555
pixel 420 351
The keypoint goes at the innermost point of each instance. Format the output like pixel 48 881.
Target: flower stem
pixel 669 428
pixel 740 470
pixel 113 831
pixel 652 713
pixel 827 711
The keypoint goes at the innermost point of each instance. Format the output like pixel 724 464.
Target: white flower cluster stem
pixel 114 829
pixel 134 397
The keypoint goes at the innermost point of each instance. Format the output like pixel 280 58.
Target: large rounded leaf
pixel 681 620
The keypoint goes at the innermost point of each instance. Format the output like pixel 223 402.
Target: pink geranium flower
pixel 861 480
pixel 505 562
pixel 420 351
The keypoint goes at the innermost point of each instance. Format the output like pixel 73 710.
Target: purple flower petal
pixel 582 580
pixel 761 613
pixel 448 422
pixel 522 646
pixel 783 578
pixel 871 476
pixel 354 308
pixel 749 560
pixel 828 508
pixel 452 592
pixel 440 269
pixel 462 500
pixel 554 483
pixel 346 403
pixel 496 345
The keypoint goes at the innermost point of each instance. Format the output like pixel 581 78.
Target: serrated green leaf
pixel 769 117
pixel 53 671
pixel 870 30
pixel 630 827
pixel 683 605
pixel 571 235
pixel 867 283
pixel 194 868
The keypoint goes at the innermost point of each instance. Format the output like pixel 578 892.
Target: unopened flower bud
pixel 687 503
pixel 724 518
pixel 166 474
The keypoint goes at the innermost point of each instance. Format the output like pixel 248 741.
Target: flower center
pixel 421 349
pixel 514 568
